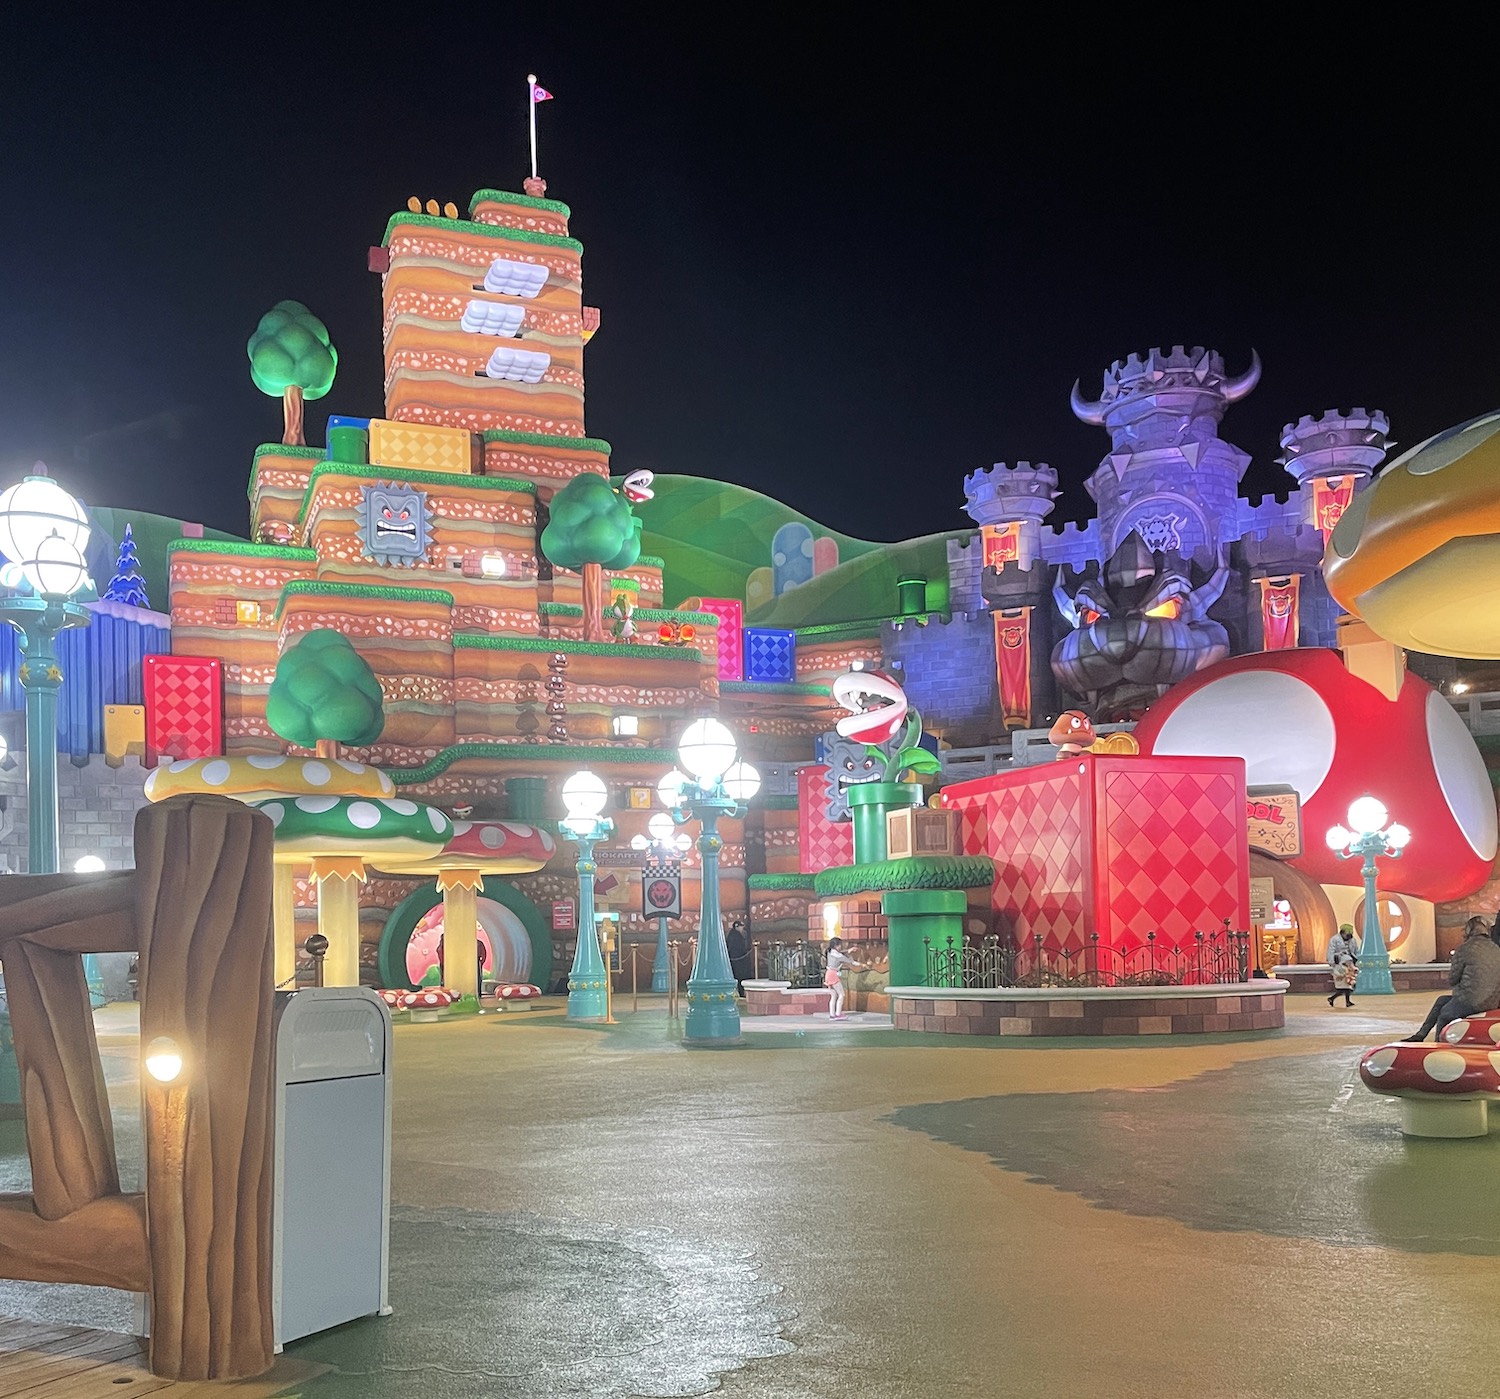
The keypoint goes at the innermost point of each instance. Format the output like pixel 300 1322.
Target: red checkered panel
pixel 1176 856
pixel 1032 823
pixel 821 843
pixel 730 612
pixel 184 706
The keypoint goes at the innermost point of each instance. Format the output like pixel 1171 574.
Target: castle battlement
pixel 1335 443
pixel 1000 494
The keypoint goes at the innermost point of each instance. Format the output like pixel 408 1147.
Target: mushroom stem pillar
pixel 339 879
pixel 460 936
pixel 284 920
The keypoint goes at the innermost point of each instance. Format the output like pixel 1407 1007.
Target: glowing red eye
pixel 406 514
pixel 1090 616
pixel 388 514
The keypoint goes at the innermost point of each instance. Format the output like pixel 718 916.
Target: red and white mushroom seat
pixel 1475 1029
pixel 513 993
pixel 429 1002
pixel 393 999
pixel 1445 1090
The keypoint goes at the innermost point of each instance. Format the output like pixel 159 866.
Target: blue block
pixel 770 656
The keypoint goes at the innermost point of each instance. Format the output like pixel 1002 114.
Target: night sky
pixel 841 267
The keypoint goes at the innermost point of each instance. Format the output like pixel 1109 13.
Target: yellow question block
pixel 420 447
pixel 124 732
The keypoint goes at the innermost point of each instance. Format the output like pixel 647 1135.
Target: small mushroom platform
pixel 1445 1089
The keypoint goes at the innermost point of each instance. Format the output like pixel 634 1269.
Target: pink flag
pixel 540 94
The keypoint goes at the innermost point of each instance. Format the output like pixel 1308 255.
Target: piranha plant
pixel 877 712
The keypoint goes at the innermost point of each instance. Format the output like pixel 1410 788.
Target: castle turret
pixel 1009 503
pixel 1168 475
pixel 1333 456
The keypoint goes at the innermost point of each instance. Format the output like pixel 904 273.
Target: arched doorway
pixel 1308 910
pixel 1395 919
pixel 514 937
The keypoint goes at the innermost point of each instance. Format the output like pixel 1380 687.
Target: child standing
pixel 833 978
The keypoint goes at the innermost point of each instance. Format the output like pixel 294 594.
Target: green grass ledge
pixel 921 872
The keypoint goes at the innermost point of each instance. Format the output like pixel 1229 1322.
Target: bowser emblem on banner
pixel 1013 665
pixel 661 890
pixel 1331 497
pixel 1279 612
pixel 1002 544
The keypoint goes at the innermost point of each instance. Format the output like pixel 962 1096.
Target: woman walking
pixel 1343 963
pixel 833 977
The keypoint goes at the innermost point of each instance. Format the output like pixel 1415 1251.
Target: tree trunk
pixel 291 409
pixel 593 602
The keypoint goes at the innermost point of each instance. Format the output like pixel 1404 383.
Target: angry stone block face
pixel 393 525
pixel 849 763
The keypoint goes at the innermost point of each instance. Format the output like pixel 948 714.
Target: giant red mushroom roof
pixel 1300 717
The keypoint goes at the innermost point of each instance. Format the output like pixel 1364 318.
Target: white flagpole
pixel 531 113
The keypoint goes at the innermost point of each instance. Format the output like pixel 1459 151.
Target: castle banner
pixel 1013 665
pixel 1002 544
pixel 1331 497
pixel 1279 611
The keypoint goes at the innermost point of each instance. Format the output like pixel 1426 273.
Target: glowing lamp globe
pixel 584 795
pixel 662 827
pixel 670 789
pixel 1367 815
pixel 742 781
pixel 1338 838
pixel 639 843
pixel 57 569
pixel 1397 837
pixel 707 749
pixel 88 864
pixel 34 509
pixel 163 1059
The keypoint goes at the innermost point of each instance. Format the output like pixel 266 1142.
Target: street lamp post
pixel 584 795
pixel 43 531
pixel 716 785
pixel 662 849
pixel 1369 837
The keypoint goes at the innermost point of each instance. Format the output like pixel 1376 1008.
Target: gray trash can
pixel 333 1159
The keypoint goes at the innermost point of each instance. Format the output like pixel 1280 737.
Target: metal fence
pixel 1218 957
pixel 800 963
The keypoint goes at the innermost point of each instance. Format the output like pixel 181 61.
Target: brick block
pixel 1215 1024
pixel 1015 1025
pixel 1064 1008
pixel 1119 1025
pixel 1228 1005
pixel 1153 1025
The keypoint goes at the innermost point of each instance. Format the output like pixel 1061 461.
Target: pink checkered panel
pixel 730 612
pixel 184 706
pixel 1176 857
pixel 821 843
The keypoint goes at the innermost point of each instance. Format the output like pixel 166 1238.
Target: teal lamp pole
pixel 43 531
pixel 716 785
pixel 1369 838
pixel 664 845
pixel 584 795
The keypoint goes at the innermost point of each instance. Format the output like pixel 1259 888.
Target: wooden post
pixel 284 917
pixel 460 930
pixel 203 914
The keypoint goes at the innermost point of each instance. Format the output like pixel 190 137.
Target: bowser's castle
pixel 1248 573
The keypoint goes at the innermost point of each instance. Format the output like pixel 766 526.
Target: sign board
pixel 612 857
pixel 1262 897
pixel 1273 820
pixel 564 918
pixel 661 891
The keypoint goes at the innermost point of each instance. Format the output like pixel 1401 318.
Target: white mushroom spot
pixel 437 820
pixel 1495 1031
pixel 316 774
pixel 316 806
pixel 1455 1032
pixel 1494 1057
pixel 1462 775
pixel 275 811
pixel 181 764
pixel 1381 1060
pixel 462 828
pixel 401 806
pixel 386 785
pixel 1444 1065
pixel 491 837
pixel 547 843
pixel 264 762
pixel 216 773
pixel 150 784
pixel 365 815
pixel 349 765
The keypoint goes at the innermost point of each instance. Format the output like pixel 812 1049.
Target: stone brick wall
pixel 1171 1011
pixel 96 813
pixel 948 672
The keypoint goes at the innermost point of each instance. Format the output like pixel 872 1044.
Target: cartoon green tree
pixel 592 528
pixel 127 585
pixel 324 694
pixel 291 358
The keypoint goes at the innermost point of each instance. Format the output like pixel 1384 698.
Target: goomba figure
pixel 1072 733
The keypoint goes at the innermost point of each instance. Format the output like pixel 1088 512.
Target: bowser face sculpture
pixel 1139 626
pixel 393 525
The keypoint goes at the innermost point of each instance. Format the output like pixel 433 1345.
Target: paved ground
pixel 856 1212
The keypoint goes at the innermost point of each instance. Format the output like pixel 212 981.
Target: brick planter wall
pixel 776 998
pixel 1416 976
pixel 1167 1010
